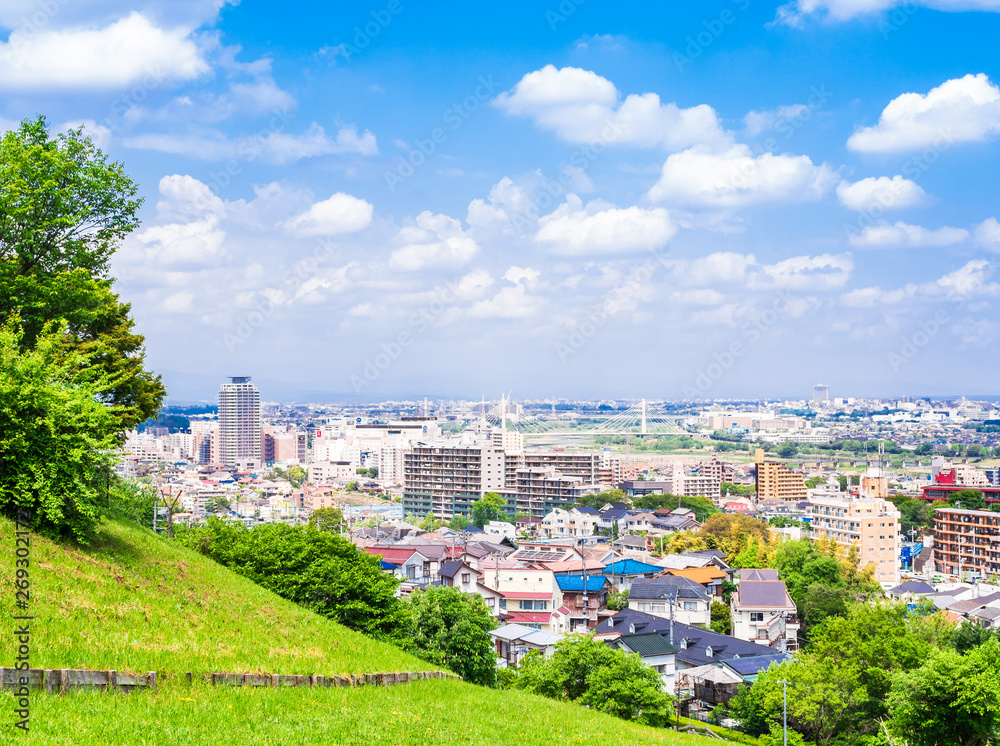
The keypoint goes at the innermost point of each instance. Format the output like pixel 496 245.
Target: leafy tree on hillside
pixel 73 369
pixel 452 629
pixel 951 699
pixel 327 519
pixel 587 670
pixel 968 499
pixel 321 571
pixel 64 210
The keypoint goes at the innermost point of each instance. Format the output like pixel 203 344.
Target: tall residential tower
pixel 239 423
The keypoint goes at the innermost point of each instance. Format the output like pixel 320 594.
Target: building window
pixel 756 616
pixel 690 606
pixel 466 577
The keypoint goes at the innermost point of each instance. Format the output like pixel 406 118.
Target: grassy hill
pixel 135 602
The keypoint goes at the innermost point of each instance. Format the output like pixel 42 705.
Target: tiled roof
pixel 700 575
pixel 524 594
pixel 668 586
pixel 753 574
pixel 392 554
pixel 764 593
pixel 648 644
pixel 531 617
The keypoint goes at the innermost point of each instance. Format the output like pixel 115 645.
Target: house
pixel 458 574
pixel 911 591
pixel 639 522
pixel 613 517
pixel 710 578
pixel 406 563
pixel 764 613
pixel 671 597
pixel 514 641
pixel 500 530
pixel 655 651
pixel 623 573
pixel 575 522
pixel 583 617
pixel 695 646
pixel 630 543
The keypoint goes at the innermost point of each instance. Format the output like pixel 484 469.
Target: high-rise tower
pixel 239 422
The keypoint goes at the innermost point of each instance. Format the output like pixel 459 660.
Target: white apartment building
pixel 325 472
pixel 869 523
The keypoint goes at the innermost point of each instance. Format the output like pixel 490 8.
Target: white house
pixel 686 600
pixel 574 522
pixel 763 612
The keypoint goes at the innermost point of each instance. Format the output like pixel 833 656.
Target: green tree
pixel 458 522
pixel 452 628
pixel 352 487
pixel 64 210
pixel 970 636
pixel 321 571
pixel 327 519
pixel 297 475
pixel 722 619
pixel 618 600
pixel 951 699
pixel 587 670
pixel 968 499
pixel 57 440
pixel 491 507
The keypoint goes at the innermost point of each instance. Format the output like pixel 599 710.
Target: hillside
pixel 135 602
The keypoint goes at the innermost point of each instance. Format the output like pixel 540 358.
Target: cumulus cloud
pixel 580 106
pixel 435 241
pixel 196 243
pixel 341 213
pixel 959 110
pixel 735 177
pixel 574 230
pixel 822 272
pixel 127 52
pixel 274 147
pixel 889 194
pixel 794 13
pixel 511 302
pixel 184 196
pixel 988 234
pixel 906 236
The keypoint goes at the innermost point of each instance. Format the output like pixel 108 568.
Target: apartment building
pixel 966 542
pixel 446 480
pixel 575 522
pixel 776 481
pixel 325 472
pixel 694 484
pixel 538 491
pixel 591 468
pixel 869 523
pixel 239 423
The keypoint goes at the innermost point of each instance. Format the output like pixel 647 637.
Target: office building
pixel 821 394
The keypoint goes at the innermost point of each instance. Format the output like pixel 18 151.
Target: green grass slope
pixel 135 602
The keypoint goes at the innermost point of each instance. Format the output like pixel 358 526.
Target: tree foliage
pixel 327 519
pixel 452 628
pixel 321 571
pixel 57 441
pixel 722 618
pixel 64 210
pixel 585 670
pixel 491 507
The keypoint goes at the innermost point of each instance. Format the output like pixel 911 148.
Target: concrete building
pixel 573 522
pixel 326 472
pixel 869 523
pixel 446 480
pixel 763 612
pixel 239 423
pixel 821 394
pixel 776 481
pixel 966 542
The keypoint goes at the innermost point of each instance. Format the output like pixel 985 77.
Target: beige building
pixel 777 482
pixel 869 523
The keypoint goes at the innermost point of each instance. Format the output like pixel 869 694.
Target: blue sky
pixel 724 199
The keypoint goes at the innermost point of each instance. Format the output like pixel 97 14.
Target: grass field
pixel 135 602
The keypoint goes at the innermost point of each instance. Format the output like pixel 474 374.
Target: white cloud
pixel 889 194
pixel 575 231
pixel 435 240
pixel 274 147
pixel 474 284
pixel 904 235
pixel 823 272
pixel 794 13
pixel 988 234
pixel 580 106
pixel 968 281
pixel 127 52
pixel 506 204
pixel 959 110
pixel 341 213
pixel 179 302
pixel 193 244
pixel 519 275
pixel 699 297
pixel 761 121
pixel 735 177
pixel 184 197
pixel 870 296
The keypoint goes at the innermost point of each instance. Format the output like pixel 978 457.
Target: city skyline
pixel 726 200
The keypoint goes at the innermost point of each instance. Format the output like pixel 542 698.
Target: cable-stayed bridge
pixel 640 419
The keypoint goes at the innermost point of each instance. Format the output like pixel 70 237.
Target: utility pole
pixel 784 711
